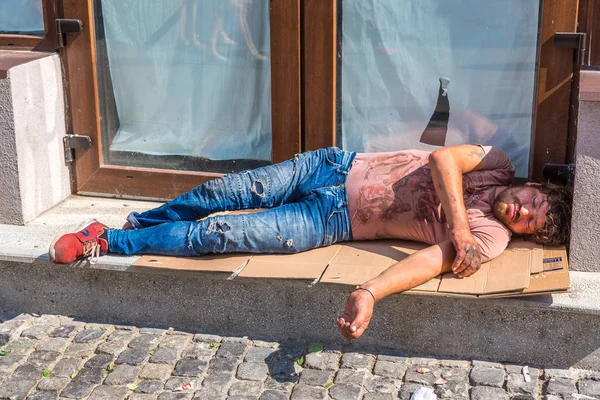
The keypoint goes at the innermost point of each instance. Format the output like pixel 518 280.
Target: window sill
pixel 12 58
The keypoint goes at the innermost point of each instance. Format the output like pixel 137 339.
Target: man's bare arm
pixel 414 270
pixel 448 165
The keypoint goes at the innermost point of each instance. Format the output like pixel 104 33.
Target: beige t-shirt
pixel 391 195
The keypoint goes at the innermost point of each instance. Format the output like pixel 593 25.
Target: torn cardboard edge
pixel 228 263
pixel 524 268
pixel 553 278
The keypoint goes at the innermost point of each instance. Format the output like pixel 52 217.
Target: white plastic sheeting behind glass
pixel 397 55
pixel 190 77
pixel 21 16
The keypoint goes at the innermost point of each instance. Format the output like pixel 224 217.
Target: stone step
pixel 550 330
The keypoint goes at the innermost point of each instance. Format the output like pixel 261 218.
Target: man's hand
pixel 406 274
pixel 357 314
pixel 448 165
pixel 468 254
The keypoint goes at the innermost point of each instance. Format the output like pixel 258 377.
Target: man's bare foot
pixel 127 226
pixel 357 314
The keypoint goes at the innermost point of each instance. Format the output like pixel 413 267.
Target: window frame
pixel 48 42
pixel 91 177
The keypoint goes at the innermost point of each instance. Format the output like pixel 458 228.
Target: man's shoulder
pixel 496 159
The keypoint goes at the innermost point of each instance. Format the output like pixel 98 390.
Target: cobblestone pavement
pixel 55 357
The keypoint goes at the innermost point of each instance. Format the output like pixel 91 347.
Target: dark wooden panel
pixel 589 23
pixel 140 182
pixel 555 76
pixel 19 42
pixel 319 73
pixel 594 33
pixel 50 16
pixel 285 78
pixel 79 59
pixel 551 130
pixel 585 21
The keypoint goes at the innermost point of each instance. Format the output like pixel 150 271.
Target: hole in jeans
pixel 296 159
pixel 258 188
pixel 217 226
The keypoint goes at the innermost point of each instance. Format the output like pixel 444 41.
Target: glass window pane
pixel 184 84
pixel 22 17
pixel 419 74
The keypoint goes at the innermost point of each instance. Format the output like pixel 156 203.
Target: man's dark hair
pixel 557 229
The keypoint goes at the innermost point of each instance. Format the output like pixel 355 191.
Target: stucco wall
pixel 10 194
pixel 585 237
pixel 33 125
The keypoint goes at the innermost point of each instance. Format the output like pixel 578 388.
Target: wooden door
pixel 87 94
pixel 556 102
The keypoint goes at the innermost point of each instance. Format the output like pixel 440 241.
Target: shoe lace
pixel 92 249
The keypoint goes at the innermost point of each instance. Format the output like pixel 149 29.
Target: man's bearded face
pixel 522 209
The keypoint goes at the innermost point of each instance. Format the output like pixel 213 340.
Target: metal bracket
pixel 64 26
pixel 72 142
pixel 571 40
pixel 560 174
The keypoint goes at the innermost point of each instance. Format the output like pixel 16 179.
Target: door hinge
pixel 73 142
pixel 571 40
pixel 64 26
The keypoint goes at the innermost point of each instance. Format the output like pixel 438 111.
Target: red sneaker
pixel 91 241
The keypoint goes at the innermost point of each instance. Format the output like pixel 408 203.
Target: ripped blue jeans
pixel 305 201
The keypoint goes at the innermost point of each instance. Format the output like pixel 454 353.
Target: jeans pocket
pixel 332 233
pixel 333 156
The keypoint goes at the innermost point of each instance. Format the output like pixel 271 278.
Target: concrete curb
pixel 549 330
pixel 520 331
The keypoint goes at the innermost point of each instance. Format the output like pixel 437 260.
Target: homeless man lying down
pixel 457 199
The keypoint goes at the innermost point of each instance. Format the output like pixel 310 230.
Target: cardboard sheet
pixel 523 269
pixel 209 263
pixel 553 279
pixel 307 265
pixel 357 262
pixel 508 272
